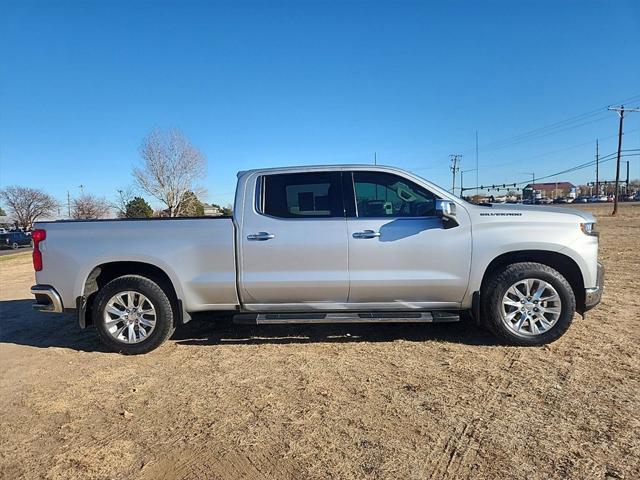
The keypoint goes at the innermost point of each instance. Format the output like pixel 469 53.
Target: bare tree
pixel 88 207
pixel 26 205
pixel 124 197
pixel 171 167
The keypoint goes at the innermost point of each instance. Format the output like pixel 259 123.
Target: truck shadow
pixel 205 332
pixel 20 325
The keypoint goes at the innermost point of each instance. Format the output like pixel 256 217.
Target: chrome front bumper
pixel 47 299
pixel 592 296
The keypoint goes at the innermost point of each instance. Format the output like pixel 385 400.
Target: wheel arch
pixel 564 264
pixel 102 274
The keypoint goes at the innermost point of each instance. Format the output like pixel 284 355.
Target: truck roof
pixel 336 166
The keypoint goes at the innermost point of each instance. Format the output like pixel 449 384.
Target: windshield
pixel 482 201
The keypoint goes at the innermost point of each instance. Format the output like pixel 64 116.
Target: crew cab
pixel 352 243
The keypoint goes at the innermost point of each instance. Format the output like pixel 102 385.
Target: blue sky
pixel 257 84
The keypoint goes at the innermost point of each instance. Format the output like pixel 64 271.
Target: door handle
pixel 261 236
pixel 366 234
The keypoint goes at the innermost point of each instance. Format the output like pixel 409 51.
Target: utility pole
pixel 626 190
pixel 477 169
pixel 375 158
pixel 455 168
pixel 68 204
pixel 620 110
pixel 597 168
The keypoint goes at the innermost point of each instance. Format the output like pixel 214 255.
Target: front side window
pixel 380 194
pixel 302 195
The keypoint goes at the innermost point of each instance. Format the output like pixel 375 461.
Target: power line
pixel 528 138
pixel 521 160
pixel 603 159
pixel 607 158
pixel 562 123
pixel 552 128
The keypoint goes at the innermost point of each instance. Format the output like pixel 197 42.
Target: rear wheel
pixel 133 315
pixel 15 245
pixel 528 304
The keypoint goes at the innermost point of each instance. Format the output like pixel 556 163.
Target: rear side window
pixel 302 195
pixel 380 194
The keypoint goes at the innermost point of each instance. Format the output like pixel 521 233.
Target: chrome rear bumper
pixel 47 299
pixel 592 296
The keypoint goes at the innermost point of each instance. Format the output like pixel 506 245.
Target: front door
pixel 294 249
pixel 400 254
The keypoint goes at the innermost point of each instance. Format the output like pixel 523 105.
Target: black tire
pixel 14 246
pixel 164 327
pixel 495 289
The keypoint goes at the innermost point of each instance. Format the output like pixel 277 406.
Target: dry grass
pixel 319 402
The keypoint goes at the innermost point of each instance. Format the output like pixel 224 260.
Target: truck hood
pixel 498 208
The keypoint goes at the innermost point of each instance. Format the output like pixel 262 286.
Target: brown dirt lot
pixel 402 401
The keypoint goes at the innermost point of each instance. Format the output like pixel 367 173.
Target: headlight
pixel 589 228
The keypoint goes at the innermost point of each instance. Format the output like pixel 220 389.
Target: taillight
pixel 38 236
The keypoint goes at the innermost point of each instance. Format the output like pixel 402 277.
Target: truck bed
pixel 197 254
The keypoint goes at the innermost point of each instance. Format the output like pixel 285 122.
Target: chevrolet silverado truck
pixel 325 244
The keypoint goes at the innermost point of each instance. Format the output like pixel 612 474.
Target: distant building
pixel 549 190
pixel 212 210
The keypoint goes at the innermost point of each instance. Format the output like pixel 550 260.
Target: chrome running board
pixel 351 317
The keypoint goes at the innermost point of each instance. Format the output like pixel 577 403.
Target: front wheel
pixel 133 315
pixel 14 245
pixel 528 304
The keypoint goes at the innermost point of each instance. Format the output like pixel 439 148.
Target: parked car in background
pixel 14 240
pixel 581 200
pixel 545 201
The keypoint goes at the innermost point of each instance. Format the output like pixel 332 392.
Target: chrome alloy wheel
pixel 531 307
pixel 129 317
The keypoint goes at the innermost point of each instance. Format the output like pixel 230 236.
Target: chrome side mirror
pixel 446 209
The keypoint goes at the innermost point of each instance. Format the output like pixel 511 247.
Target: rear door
pixel 293 243
pixel 400 254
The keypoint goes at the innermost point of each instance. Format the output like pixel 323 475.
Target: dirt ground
pixel 326 402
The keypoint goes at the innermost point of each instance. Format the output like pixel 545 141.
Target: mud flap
pixel 475 308
pixel 81 311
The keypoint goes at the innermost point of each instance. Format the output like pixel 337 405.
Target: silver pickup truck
pixel 325 244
